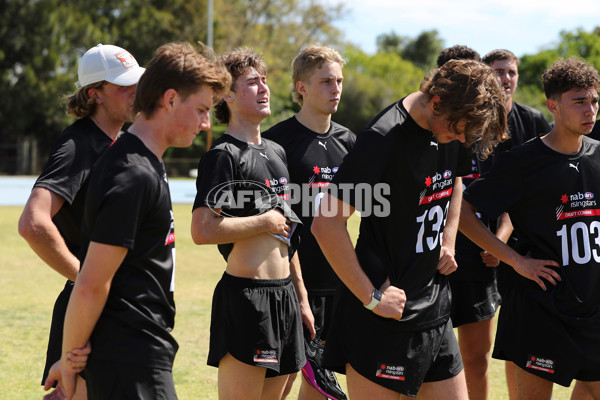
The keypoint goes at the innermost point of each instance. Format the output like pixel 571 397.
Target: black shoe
pixel 318 377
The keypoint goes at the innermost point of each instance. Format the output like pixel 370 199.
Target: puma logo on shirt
pixel 324 144
pixel 576 166
pixel 264 155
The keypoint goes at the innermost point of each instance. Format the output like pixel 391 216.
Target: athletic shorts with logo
pixel 473 301
pixel 258 322
pixel 399 360
pixel 543 344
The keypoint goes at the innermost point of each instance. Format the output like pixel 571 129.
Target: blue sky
pixel 524 27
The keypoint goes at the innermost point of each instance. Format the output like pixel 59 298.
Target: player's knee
pixel 478 361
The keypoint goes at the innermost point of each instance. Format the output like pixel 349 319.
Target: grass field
pixel 28 289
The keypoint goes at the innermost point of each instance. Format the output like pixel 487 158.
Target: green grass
pixel 28 289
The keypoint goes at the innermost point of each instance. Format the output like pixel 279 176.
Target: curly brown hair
pixel 469 93
pixel 568 73
pixel 237 62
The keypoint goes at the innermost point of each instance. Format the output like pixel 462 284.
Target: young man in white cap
pixel 51 220
pixel 122 301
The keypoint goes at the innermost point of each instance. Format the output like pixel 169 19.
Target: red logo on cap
pixel 126 59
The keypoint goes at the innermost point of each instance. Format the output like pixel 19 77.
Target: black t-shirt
pixel 66 174
pixel 244 179
pixel 402 240
pixel 129 205
pixel 553 199
pixel 313 159
pixel 523 123
pixel 467 253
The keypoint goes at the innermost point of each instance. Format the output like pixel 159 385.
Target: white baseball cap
pixel 108 63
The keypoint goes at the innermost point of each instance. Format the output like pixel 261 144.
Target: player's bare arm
pixel 86 304
pixel 530 268
pixel 447 264
pixel 255 254
pixel 332 235
pixel 77 358
pixel 36 226
pixel 209 227
pixel 307 316
pixel 503 231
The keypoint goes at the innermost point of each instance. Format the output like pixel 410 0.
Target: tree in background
pixel 578 43
pixel 391 43
pixel 32 73
pixel 421 51
pixel 41 41
pixel 371 83
pixel 278 29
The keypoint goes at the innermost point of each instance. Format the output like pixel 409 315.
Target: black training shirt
pixel 243 179
pixel 313 159
pixel 67 171
pixel 552 198
pixel 523 123
pixel 402 240
pixel 129 205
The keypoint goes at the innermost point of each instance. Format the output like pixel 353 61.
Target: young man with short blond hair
pixel 315 147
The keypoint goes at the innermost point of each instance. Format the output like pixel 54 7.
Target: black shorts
pixel 54 350
pixel 322 309
pixel 473 301
pixel 258 322
pixel 541 343
pixel 505 274
pixel 506 277
pixel 109 380
pixel 398 360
